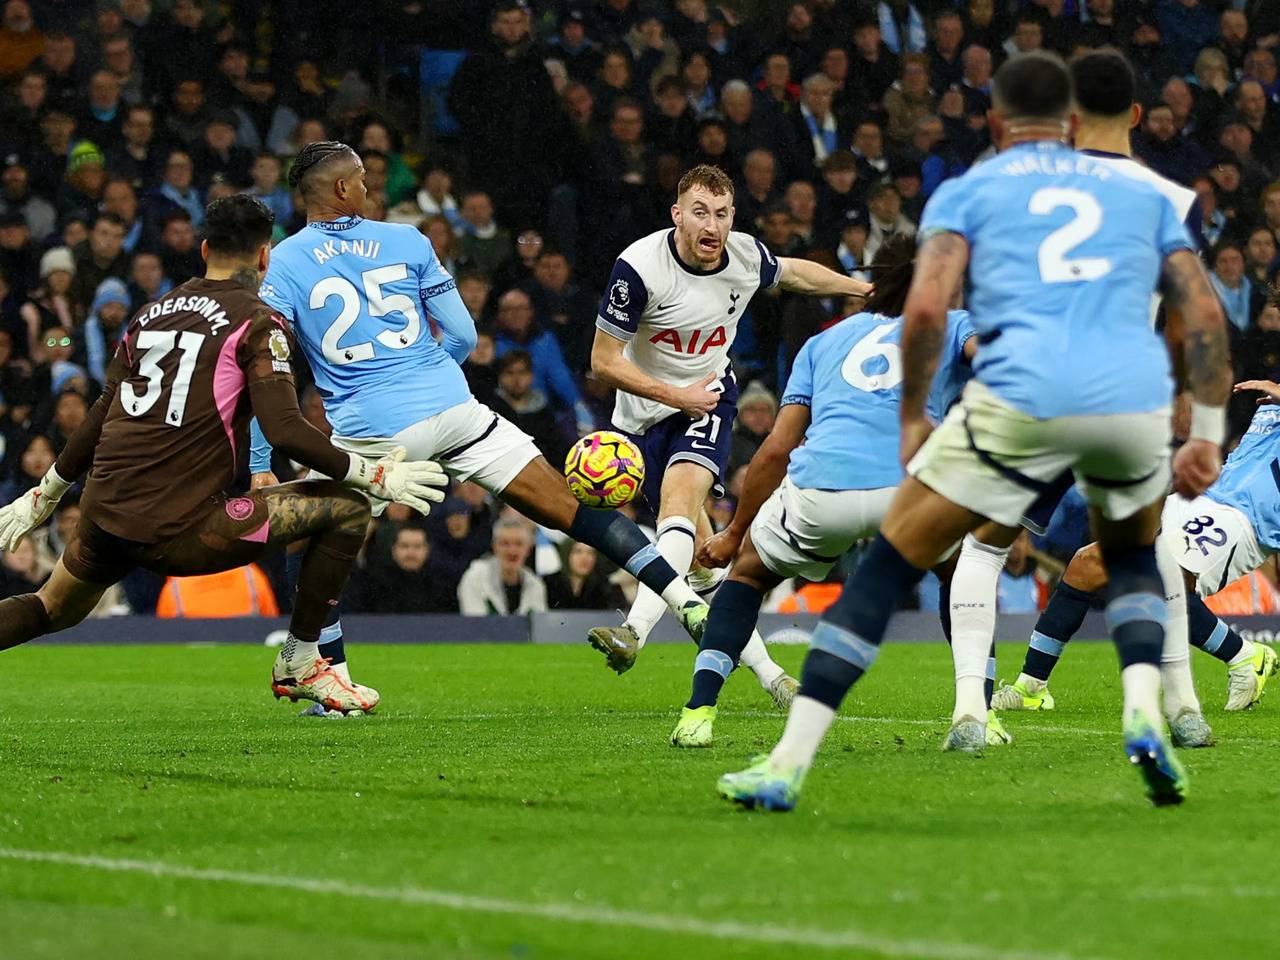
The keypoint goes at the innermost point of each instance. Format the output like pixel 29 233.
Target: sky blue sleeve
pixel 1173 230
pixel 961 330
pixel 447 309
pixel 800 383
pixel 275 291
pixel 555 370
pixel 95 346
pixel 259 449
pixel 623 303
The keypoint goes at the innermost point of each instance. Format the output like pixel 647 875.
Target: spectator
pixel 102 329
pixel 20 570
pixel 1234 202
pixel 776 84
pixel 21 118
pixel 753 126
pixel 910 98
pixel 946 66
pixel 100 256
pixel 817 131
pixel 517 330
pixel 852 251
pixel 757 410
pixel 975 85
pixel 527 407
pixel 1176 94
pixel 875 66
pixel 801 200
pixel 33 462
pixel 572 47
pixel 462 533
pixel 266 186
pixel 375 136
pixel 433 198
pixel 501 583
pixel 119 198
pixel 101 120
pixel 1213 222
pixel 188 115
pixel 579 584
pixel 50 304
pixel 147 281
pixel 901 26
pixel 839 193
pixel 179 252
pixel 758 189
pixel 19 255
pixel 1103 28
pixel 21 41
pixel 695 71
pixel 16 196
pixel 518 271
pixel 1260 357
pixel 778 231
pixel 713 146
pixel 1212 78
pixel 137 157
pixel 474 288
pixel 567 309
pixel 673 125
pixel 484 244
pixel 502 97
pixel 885 205
pixel 242 592
pixel 85 178
pixel 175 193
pixel 409 582
pixel 868 148
pixel 219 154
pixel 61 69
pixel 1185 26
pixel 119 58
pixel 1251 102
pixel 437 230
pixel 1260 65
pixel 1164 151
pixel 1271 209
pixel 1240 299
pixel 1260 256
pixel 1236 137
pixel 1028 34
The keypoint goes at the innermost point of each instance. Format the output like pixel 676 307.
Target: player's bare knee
pixel 1086 571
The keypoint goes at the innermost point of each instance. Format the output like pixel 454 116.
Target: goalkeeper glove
pixel 31 509
pixel 416 483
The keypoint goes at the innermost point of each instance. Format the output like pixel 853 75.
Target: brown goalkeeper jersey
pixel 191 370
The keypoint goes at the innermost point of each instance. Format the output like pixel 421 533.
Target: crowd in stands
pixel 558 140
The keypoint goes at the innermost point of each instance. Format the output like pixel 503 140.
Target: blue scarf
pixel 824 138
pixel 916 36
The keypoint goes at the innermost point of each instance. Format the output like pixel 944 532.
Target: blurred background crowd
pixel 531 142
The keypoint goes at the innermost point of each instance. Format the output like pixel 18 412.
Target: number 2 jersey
pixel 1250 479
pixel 355 292
pixel 850 377
pixel 679 322
pixel 175 413
pixel 1065 251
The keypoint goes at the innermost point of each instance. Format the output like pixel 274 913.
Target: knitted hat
pixel 82 153
pixel 59 258
pixel 110 290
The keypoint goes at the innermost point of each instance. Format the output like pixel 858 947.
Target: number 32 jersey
pixel 354 291
pixel 174 431
pixel 679 322
pixel 1065 251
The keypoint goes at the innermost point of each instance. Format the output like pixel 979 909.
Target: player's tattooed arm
pixel 1207 359
pixel 805 276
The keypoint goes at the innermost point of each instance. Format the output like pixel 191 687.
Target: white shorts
pixel 800 532
pixel 1210 540
pixel 469 440
pixel 995 460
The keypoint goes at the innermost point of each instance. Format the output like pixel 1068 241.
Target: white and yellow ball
pixel 604 470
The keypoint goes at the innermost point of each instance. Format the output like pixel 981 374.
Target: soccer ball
pixel 604 469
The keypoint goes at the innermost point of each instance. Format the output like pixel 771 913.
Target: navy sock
pixel 989 685
pixel 853 627
pixel 1136 610
pixel 944 609
pixel 331 645
pixel 1209 633
pixel 625 544
pixel 1060 622
pixel 733 616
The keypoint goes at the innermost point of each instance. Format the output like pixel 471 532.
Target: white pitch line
pixel 729 930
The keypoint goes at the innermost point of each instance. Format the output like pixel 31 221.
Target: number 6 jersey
pixel 679 322
pixel 175 412
pixel 1065 251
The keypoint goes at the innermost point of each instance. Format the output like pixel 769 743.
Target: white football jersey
pixel 1181 197
pixel 679 322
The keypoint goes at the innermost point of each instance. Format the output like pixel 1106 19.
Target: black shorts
pixel 233 533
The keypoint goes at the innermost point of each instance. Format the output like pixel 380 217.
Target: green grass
pixel 533 777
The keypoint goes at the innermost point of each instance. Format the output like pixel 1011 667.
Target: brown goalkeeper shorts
pixel 234 532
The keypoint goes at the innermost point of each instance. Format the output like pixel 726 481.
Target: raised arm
pixel 1187 294
pixel 940 265
pixel 805 276
pixel 764 474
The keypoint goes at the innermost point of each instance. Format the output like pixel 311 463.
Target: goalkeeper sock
pixel 675 543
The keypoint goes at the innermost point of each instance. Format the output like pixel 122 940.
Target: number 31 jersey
pixel 679 322
pixel 173 433
pixel 1065 251
pixel 354 291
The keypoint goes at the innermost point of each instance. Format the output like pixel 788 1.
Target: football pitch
pixel 522 802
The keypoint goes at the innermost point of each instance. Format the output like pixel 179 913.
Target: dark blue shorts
pixel 706 442
pixel 1041 512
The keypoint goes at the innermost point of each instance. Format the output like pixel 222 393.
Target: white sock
pixel 1141 683
pixel 807 724
pixel 756 657
pixel 299 653
pixel 342 670
pixel 973 622
pixel 1175 658
pixel 1032 684
pixel 1246 653
pixel 675 543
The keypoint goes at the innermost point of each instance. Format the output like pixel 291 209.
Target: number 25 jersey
pixel 1065 251
pixel 354 291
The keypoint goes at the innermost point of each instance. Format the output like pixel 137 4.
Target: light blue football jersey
pixel 1064 254
pixel 1250 479
pixel 850 376
pixel 355 292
